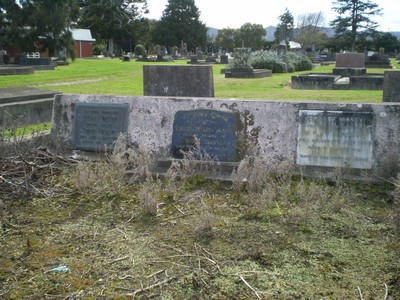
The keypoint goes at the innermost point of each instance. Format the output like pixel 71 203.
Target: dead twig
pixel 359 291
pixel 118 259
pixel 249 286
pixel 143 289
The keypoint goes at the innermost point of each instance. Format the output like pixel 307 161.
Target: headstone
pixel 206 133
pixel 25 61
pixel 350 60
pixel 194 59
pixel 97 126
pixel 282 49
pixel 335 139
pixel 224 59
pixel 175 80
pixel 391 86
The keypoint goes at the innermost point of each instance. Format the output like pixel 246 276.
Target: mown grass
pixel 113 77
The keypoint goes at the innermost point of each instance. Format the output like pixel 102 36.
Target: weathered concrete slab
pixel 24 105
pixel 16 70
pixel 391 86
pixel 18 94
pixel 271 128
pixel 181 81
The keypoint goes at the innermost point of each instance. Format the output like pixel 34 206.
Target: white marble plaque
pixel 335 139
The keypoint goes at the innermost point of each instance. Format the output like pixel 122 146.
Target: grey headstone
pixel 391 86
pixel 335 139
pixel 214 130
pixel 350 60
pixel 189 81
pixel 97 126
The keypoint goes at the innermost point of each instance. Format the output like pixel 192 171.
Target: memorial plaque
pixel 96 126
pixel 335 139
pixel 209 134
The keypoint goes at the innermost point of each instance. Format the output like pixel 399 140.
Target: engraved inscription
pixel 335 139
pixel 209 134
pixel 97 126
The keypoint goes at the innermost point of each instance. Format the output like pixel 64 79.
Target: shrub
pixel 268 60
pixel 280 64
pixel 139 50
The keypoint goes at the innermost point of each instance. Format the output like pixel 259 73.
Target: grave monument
pixel 348 74
pixel 241 67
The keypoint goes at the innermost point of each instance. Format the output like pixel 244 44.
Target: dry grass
pixel 127 234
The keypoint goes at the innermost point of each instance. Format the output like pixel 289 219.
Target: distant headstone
pixel 194 59
pixel 206 133
pixel 350 60
pixel 391 86
pixel 175 80
pixel 335 139
pixel 97 126
pixel 25 61
pixel 224 59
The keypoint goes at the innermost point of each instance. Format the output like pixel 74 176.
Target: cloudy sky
pixel 233 14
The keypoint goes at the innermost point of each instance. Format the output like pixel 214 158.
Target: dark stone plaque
pixel 335 139
pixel 209 134
pixel 96 126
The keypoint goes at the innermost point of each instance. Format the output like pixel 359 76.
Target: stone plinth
pixel 391 86
pixel 319 137
pixel 247 73
pixel 347 72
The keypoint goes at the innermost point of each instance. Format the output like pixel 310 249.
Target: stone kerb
pixel 391 86
pixel 182 81
pixel 319 137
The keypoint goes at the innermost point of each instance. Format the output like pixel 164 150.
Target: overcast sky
pixel 233 14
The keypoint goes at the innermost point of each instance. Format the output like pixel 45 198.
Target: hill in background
pixel 212 32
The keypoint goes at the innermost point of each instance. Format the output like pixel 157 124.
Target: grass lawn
pixel 113 77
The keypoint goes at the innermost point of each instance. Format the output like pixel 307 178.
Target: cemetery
pixel 168 159
pixel 178 190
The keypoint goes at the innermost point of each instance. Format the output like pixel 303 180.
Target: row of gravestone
pixel 325 138
pixel 197 80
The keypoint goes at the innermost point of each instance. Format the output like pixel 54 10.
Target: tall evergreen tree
pixel 354 19
pixel 47 20
pixel 111 20
pixel 180 22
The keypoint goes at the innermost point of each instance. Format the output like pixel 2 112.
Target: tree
pixel 308 33
pixel 179 22
pixel 251 36
pixel 354 19
pixel 284 29
pixel 388 41
pixel 111 20
pixel 34 20
pixel 11 21
pixel 225 39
